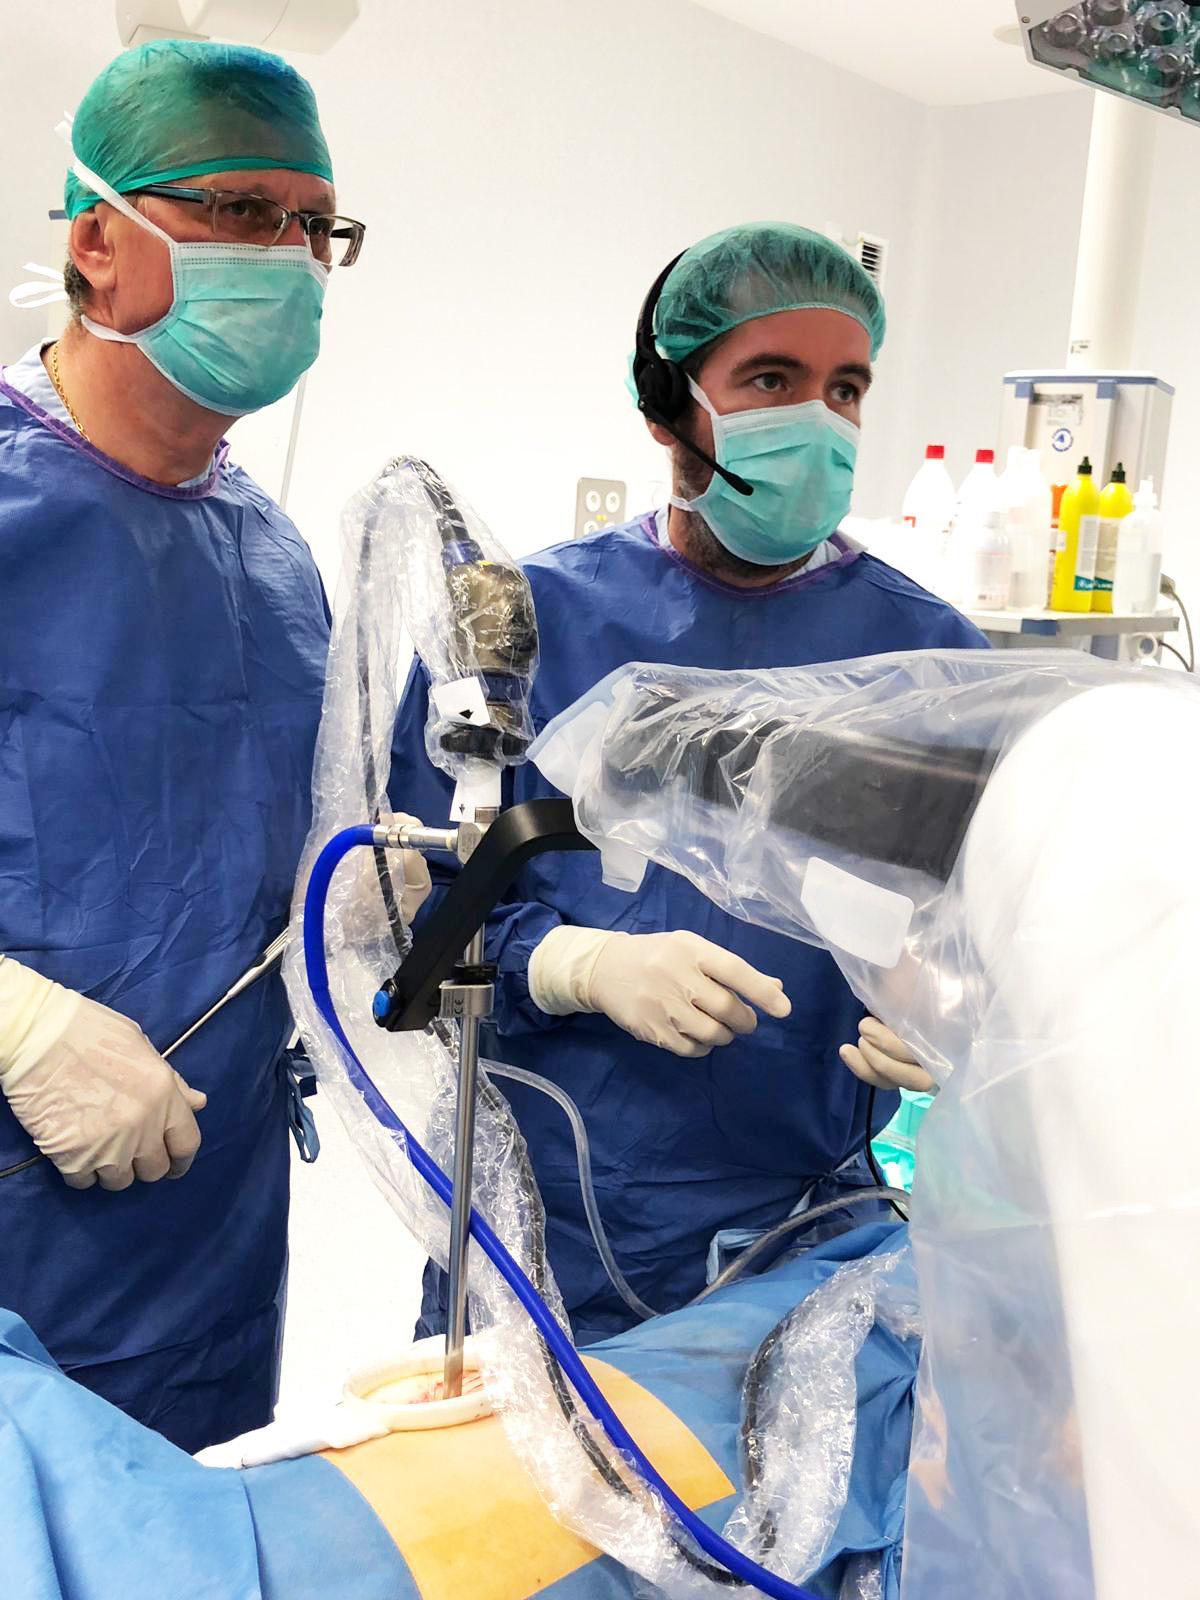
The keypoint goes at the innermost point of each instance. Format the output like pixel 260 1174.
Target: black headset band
pixel 654 376
pixel 644 342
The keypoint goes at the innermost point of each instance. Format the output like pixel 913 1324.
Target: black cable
pixel 604 1467
pixel 880 1181
pixel 565 1400
pixel 1168 587
pixel 1177 654
pixel 1187 622
pixel 752 1437
pixel 766 1242
pixel 370 773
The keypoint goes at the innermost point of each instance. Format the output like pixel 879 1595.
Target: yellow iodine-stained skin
pixel 468 1519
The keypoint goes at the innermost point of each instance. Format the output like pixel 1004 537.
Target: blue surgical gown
pixel 681 1149
pixel 162 656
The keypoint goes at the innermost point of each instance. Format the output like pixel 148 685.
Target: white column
pixel 1111 235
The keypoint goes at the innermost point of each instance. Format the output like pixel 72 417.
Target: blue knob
pixel 381 1006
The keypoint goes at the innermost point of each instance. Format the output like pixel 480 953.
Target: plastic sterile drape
pixel 393 535
pixel 470 615
pixel 1001 852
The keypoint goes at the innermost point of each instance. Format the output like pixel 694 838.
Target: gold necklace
pixel 62 393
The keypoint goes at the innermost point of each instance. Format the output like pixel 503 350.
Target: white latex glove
pixel 298 1433
pixel 364 912
pixel 89 1088
pixel 882 1059
pixel 676 990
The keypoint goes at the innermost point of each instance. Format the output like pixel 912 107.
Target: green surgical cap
pixel 753 271
pixel 177 108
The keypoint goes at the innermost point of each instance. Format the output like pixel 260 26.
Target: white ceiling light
pixel 305 25
pixel 939 52
pixel 1143 50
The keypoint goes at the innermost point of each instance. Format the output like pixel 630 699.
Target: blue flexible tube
pixel 317 972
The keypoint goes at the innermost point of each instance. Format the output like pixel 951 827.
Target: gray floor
pixel 354 1287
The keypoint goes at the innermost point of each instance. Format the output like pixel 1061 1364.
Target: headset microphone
pixel 662 386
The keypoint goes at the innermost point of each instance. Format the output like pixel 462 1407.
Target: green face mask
pixel 244 324
pixel 800 461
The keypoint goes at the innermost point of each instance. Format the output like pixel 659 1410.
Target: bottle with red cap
pixel 979 490
pixel 929 503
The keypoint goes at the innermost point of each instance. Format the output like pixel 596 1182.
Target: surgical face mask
pixel 244 324
pixel 800 462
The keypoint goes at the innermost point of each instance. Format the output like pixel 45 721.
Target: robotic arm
pixel 976 842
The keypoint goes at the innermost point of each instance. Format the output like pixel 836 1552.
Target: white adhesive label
pixel 462 701
pixel 1106 554
pixel 854 915
pixel 477 791
pixel 1085 557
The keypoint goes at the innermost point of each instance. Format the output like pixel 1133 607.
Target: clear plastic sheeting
pixel 801 1404
pixel 364 682
pixel 863 1579
pixel 1001 852
pixel 388 529
pixel 471 619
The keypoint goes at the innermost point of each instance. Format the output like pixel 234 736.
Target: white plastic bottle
pixel 978 491
pixel 983 562
pixel 929 502
pixel 1139 556
pixel 1012 479
pixel 1030 534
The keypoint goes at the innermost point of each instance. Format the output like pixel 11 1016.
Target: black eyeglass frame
pixel 353 231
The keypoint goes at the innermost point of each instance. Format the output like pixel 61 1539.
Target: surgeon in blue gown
pixel 163 634
pixel 702 1052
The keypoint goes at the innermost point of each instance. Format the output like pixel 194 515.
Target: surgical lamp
pixel 1143 50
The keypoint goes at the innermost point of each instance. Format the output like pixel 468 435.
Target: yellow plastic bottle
pixel 1078 538
pixel 1115 504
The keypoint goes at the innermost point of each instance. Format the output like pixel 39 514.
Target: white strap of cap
pixel 48 288
pixel 700 397
pixel 107 192
pixel 98 186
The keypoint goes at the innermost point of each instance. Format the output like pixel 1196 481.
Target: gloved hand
pixel 89 1088
pixel 675 990
pixel 882 1059
pixel 364 914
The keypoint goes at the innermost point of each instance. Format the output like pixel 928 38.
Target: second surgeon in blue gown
pixel 163 635
pixel 705 1113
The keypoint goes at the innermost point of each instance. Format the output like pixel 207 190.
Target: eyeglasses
pixel 238 218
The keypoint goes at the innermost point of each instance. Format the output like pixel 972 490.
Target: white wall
pixel 45 67
pixel 1002 189
pixel 1167 338
pixel 525 171
pixel 525 174
pixel 999 217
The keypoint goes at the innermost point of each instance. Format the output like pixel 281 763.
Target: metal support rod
pixel 464 1166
